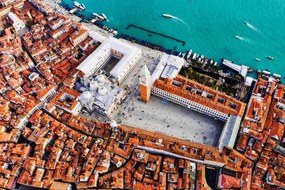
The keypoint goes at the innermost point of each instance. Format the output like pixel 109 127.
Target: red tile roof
pixel 228 182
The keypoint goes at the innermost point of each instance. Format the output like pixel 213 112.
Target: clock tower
pixel 145 84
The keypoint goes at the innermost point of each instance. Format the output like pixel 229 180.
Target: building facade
pixel 79 36
pixel 189 104
pixel 166 83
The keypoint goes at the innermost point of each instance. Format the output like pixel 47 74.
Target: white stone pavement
pixel 157 115
pixel 163 116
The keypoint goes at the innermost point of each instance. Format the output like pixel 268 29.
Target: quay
pixel 241 69
pixel 157 33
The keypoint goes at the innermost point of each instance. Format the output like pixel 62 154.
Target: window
pixel 208 153
pixel 195 151
pixel 221 100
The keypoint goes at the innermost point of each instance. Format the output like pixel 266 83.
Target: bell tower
pixel 145 84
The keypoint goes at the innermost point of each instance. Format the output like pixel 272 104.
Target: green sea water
pixel 207 26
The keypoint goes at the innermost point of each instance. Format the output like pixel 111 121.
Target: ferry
pixel 79 6
pixel 104 16
pixel 270 58
pixel 257 59
pixel 76 4
pixel 238 37
pixel 97 16
pixel 167 16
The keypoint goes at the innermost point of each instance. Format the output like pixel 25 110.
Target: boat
pixel 238 37
pixel 79 6
pixel 276 76
pixel 104 16
pixel 270 57
pixel 76 4
pixel 189 54
pixel 250 70
pixel 97 16
pixel 167 16
pixel 257 59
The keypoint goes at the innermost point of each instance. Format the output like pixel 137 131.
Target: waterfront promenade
pixel 58 9
pixel 163 116
pixel 49 84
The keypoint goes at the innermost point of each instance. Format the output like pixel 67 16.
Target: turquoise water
pixel 207 26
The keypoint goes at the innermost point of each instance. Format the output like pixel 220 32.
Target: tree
pixel 29 23
pixel 190 70
pixel 6 26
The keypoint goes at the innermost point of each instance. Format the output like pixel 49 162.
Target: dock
pixel 156 33
pixel 73 10
pixel 241 69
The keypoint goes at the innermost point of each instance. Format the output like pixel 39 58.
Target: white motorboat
pixel 168 16
pixel 238 37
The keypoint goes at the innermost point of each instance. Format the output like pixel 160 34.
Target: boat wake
pixel 179 20
pixel 175 19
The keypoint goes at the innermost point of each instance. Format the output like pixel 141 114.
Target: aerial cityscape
pixel 85 106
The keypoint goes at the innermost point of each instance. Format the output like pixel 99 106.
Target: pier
pixel 157 33
pixel 241 69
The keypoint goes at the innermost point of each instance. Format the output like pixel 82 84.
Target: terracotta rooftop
pixel 36 106
pixel 201 94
